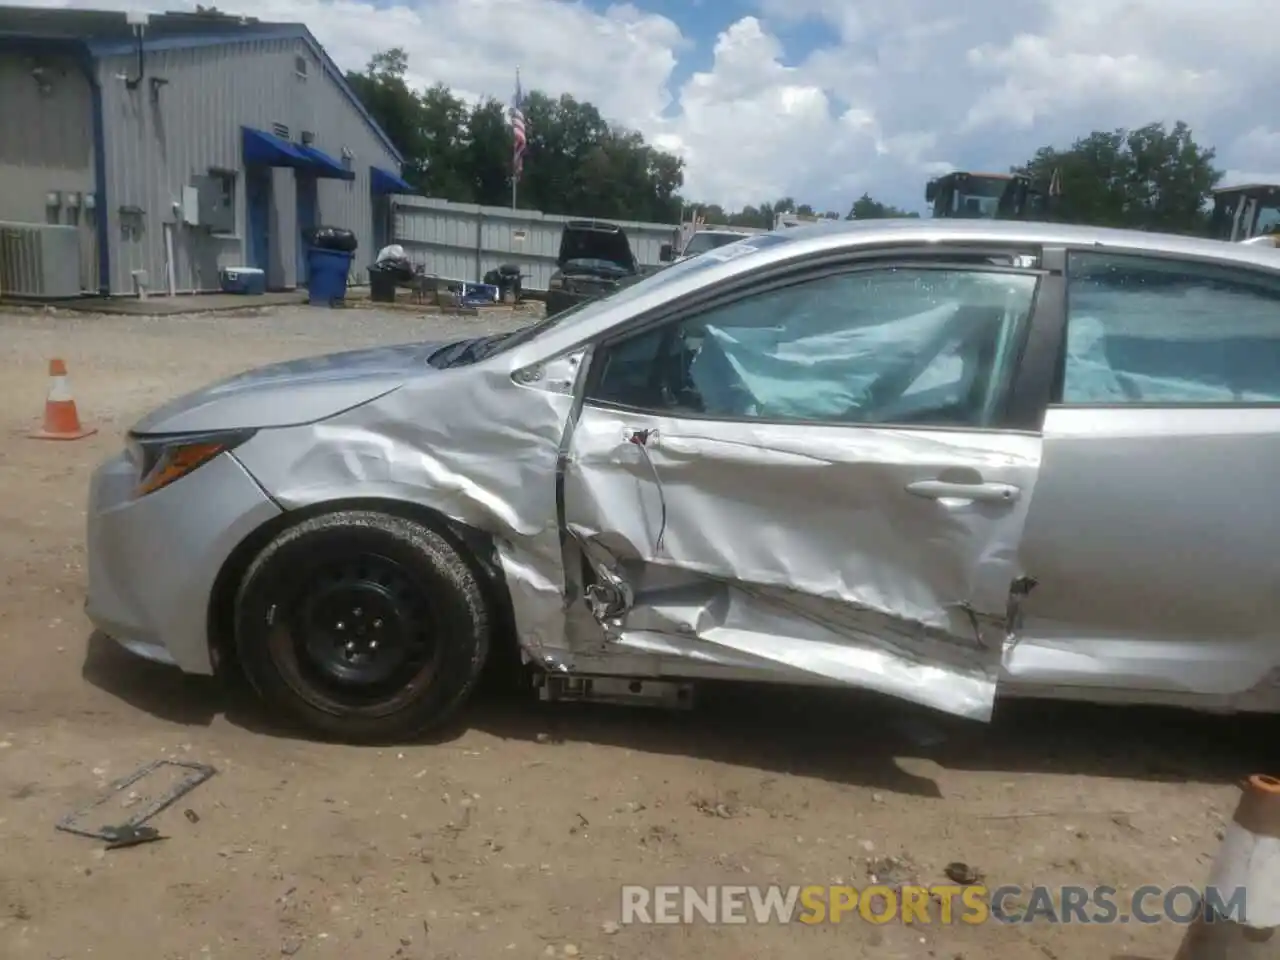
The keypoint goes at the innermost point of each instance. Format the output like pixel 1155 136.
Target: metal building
pixel 171 149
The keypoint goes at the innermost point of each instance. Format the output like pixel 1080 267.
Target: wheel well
pixel 475 546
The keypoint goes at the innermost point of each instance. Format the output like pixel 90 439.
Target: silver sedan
pixel 942 460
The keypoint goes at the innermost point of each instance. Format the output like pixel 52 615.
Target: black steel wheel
pixel 363 625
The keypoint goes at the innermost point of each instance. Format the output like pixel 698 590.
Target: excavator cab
pixel 986 196
pixel 1246 214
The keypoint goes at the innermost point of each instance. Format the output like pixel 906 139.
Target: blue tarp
pixel 384 181
pixel 324 165
pixel 267 150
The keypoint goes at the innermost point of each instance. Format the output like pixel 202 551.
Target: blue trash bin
pixel 327 275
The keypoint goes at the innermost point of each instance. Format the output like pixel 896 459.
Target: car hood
pixel 291 393
pixel 595 240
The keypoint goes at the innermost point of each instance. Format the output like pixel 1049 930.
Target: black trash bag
pixel 331 238
pixel 397 269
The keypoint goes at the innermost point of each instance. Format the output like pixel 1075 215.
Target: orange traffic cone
pixel 1247 868
pixel 61 420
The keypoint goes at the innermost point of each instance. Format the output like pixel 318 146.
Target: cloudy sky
pixel 825 99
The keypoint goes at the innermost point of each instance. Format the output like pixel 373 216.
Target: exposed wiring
pixel 641 438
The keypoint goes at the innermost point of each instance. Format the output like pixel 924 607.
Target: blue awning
pixel 384 181
pixel 267 150
pixel 323 165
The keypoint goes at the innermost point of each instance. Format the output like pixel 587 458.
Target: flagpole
pixel 515 177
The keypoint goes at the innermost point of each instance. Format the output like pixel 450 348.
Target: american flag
pixel 518 130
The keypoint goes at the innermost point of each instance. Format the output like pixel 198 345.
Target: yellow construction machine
pixel 990 196
pixel 1249 213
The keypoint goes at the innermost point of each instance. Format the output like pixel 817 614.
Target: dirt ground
pixel 512 834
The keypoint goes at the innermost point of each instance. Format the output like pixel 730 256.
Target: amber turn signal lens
pixel 175 463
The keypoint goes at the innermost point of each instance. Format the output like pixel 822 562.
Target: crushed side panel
pixel 471 444
pixel 799 551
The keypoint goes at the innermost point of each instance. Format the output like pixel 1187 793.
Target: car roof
pixel 856 233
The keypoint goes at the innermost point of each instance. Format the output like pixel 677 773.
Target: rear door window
pixel 1153 331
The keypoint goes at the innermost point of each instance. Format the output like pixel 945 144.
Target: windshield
pixel 978 197
pixel 702 242
pixel 989 187
pixel 590 308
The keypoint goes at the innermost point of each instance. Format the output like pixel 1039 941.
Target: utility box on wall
pixel 190 206
pixel 216 207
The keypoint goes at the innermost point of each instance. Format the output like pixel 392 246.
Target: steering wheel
pixel 669 378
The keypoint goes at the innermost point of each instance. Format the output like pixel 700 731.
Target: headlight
pixel 163 458
pixel 555 283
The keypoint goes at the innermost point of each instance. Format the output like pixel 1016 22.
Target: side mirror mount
pixel 931 191
pixel 666 253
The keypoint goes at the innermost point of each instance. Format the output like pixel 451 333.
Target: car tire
pixel 363 626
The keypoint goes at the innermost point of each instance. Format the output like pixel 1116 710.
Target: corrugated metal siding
pixel 156 145
pixel 46 144
pixel 462 241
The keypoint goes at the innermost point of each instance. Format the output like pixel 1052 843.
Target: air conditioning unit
pixel 39 260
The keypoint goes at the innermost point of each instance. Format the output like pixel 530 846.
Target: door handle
pixel 948 490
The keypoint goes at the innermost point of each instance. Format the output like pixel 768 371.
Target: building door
pixel 258 201
pixel 381 222
pixel 308 217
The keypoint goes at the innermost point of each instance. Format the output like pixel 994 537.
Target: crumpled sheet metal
pixel 476 463
pixel 857 581
pixel 878 590
pixel 778 631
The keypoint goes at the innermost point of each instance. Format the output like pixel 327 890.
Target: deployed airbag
pixel 814 368
pixel 1158 347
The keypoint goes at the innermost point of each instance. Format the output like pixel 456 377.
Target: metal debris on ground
pixel 131 832
pixel 130 836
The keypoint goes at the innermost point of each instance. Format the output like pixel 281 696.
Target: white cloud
pixel 901 90
pixel 741 122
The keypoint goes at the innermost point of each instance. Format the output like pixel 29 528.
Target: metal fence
pixel 463 241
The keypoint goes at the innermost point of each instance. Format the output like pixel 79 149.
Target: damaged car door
pixel 1161 449
pixel 814 479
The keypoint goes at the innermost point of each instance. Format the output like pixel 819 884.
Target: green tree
pixel 712 213
pixel 485 153
pixel 1150 178
pixel 866 208
pixel 383 91
pixel 575 162
pixel 442 148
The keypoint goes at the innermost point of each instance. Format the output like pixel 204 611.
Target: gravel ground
pixel 511 834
